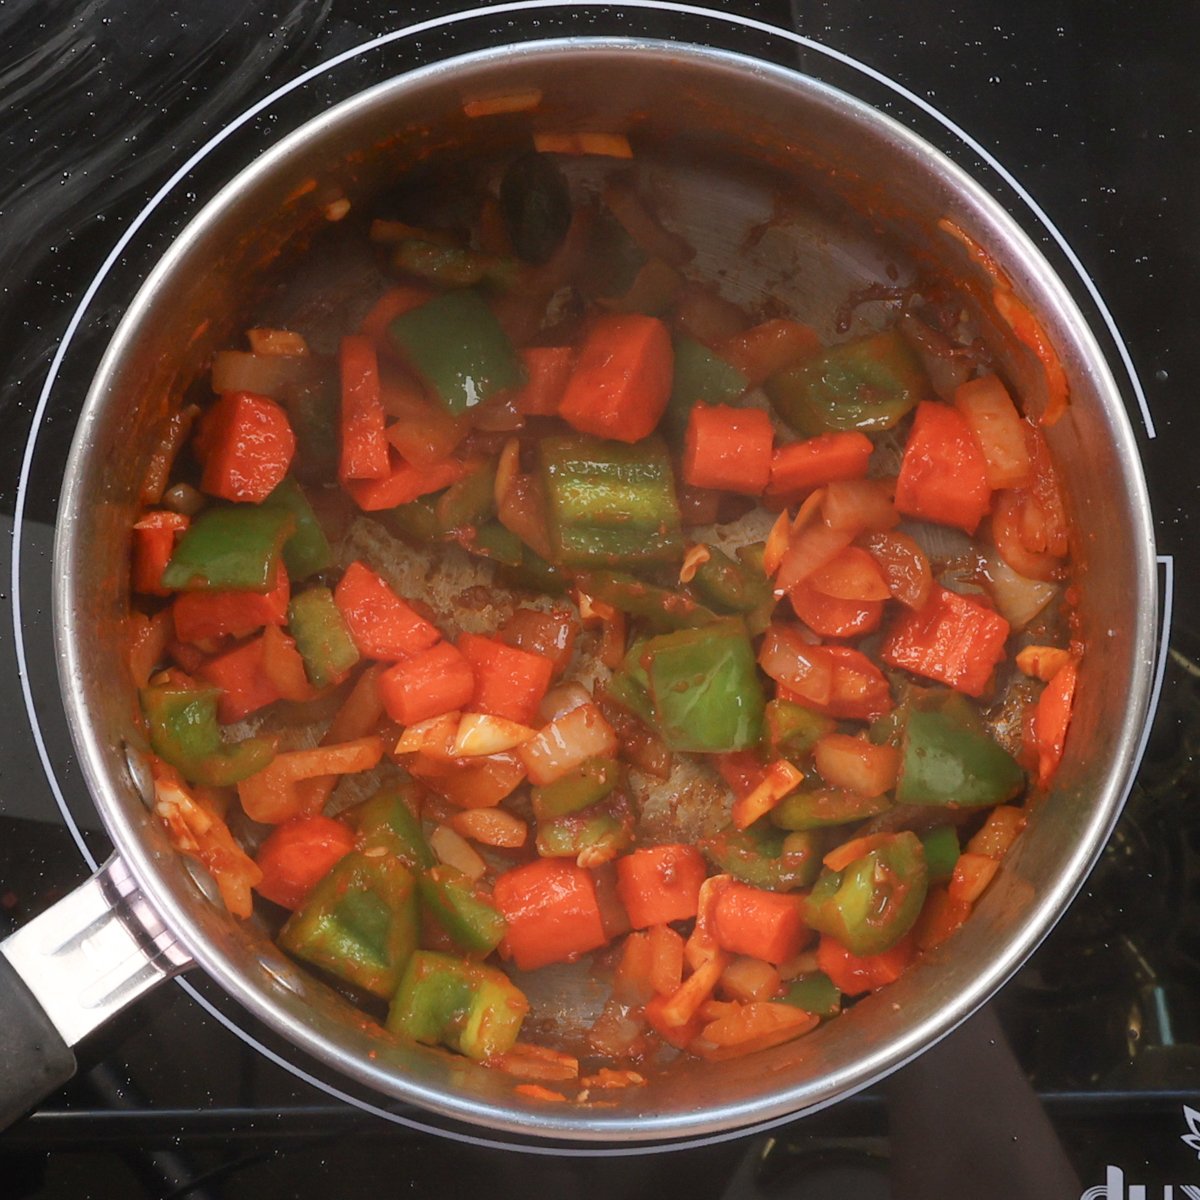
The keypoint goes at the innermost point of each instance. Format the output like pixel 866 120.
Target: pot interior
pixel 795 196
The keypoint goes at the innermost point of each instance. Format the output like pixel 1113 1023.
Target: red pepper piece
pixel 246 446
pixel 382 625
pixel 243 680
pixel 509 682
pixel 660 884
pixel 547 370
pixel 153 544
pixel 802 466
pixel 298 855
pixel 761 924
pixel 436 681
pixel 622 378
pixel 202 615
pixel 364 453
pixel 857 691
pixel 403 483
pixel 943 476
pixel 551 911
pixel 728 449
pixel 953 639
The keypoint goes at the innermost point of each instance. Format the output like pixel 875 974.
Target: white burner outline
pixel 1166 562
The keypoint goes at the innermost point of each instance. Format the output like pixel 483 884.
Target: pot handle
pixel 66 972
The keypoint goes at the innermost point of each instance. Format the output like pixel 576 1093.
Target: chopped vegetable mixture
pixel 762 644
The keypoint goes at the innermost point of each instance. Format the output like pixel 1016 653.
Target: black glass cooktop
pixel 120 118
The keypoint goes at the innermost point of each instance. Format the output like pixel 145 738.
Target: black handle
pixel 34 1060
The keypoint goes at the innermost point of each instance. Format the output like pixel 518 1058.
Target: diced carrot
pixel 972 874
pixel 1051 719
pixel 750 979
pixel 831 617
pixel 404 482
pixel 939 918
pixel 509 682
pixel 244 683
pixel 364 450
pixel 283 665
pixel 998 430
pixel 547 370
pixel 954 639
pixel 856 764
pixel 271 796
pixel 607 145
pixel 245 444
pixel 728 449
pixel 666 959
pixel 568 740
pixel 764 349
pixel 435 681
pixel 395 302
pixel 841 856
pixel 298 855
pixel 801 466
pixel 622 378
pixel 550 911
pixel 660 884
pixel 943 476
pixel 491 827
pixel 154 538
pixel 383 626
pixel 199 616
pixel 854 974
pixel 778 780
pixel 761 924
pixel 149 638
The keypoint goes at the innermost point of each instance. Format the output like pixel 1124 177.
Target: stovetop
pixel 119 119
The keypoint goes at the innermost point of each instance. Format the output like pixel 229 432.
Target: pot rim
pixel 164 894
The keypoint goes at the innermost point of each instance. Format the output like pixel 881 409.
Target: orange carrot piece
pixel 200 616
pixel 270 795
pixel 551 913
pixel 382 625
pixel 246 445
pixel 438 680
pixel 364 450
pixel 660 884
pixel 403 482
pixel 298 855
pixel 154 538
pixel 728 449
pixel 547 370
pixel 509 682
pixel 283 665
pixel 943 476
pixel 242 678
pixel 760 924
pixel 855 974
pixel 622 378
pixel 801 466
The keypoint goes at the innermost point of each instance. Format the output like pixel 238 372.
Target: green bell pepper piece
pixel 630 686
pixel 876 900
pixel 314 405
pixel 183 728
pixel 793 730
pixel 359 923
pixel 457 347
pixel 765 857
pixel 941 852
pixel 471 1008
pixel 307 551
pixel 821 808
pixel 387 820
pixel 728 586
pixel 533 574
pixel 866 384
pixel 662 609
pixel 945 762
pixel 469 502
pixel 586 785
pixel 535 201
pixel 474 924
pixel 451 266
pixel 700 377
pixel 815 994
pixel 704 688
pixel 609 503
pixel 598 833
pixel 230 548
pixel 321 636
pixel 495 541
pixel 416 521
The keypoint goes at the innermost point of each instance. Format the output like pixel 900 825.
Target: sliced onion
pixel 788 659
pixel 264 374
pixel 453 850
pixel 561 700
pixel 567 742
pixel 1018 599
pixel 481 734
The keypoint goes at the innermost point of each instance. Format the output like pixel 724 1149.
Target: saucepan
pixel 787 188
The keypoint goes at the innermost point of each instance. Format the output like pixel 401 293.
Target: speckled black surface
pixel 1093 107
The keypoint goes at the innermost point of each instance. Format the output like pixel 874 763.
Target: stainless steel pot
pixel 837 197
